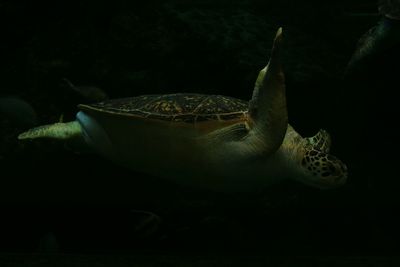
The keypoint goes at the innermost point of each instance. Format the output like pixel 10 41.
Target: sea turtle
pixel 207 141
pixel 381 40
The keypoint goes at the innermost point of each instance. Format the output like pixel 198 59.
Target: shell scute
pixel 188 108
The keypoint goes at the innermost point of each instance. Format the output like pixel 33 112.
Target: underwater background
pixel 60 207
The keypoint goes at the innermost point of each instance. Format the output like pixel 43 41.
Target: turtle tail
pixel 61 131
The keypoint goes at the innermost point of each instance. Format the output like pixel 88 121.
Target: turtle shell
pixel 187 108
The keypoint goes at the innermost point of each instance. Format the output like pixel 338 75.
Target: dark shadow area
pixel 61 208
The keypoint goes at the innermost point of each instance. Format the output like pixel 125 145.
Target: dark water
pixel 53 200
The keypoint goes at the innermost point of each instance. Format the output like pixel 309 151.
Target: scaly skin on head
pixel 321 141
pixel 313 166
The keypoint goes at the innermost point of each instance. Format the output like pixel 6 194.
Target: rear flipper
pixel 60 131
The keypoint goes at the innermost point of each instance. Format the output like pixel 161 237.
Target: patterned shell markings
pixel 188 108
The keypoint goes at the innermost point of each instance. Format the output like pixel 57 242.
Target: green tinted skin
pixel 312 162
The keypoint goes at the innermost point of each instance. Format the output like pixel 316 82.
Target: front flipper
pixel 227 134
pixel 268 118
pixel 321 141
pixel 267 108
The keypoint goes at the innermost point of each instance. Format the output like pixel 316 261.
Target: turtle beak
pixel 337 179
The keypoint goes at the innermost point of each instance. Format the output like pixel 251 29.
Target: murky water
pixel 53 199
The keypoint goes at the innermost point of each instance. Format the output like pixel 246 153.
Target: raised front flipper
pixel 267 122
pixel 267 107
pixel 232 133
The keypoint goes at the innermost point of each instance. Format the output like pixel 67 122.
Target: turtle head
pixel 320 169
